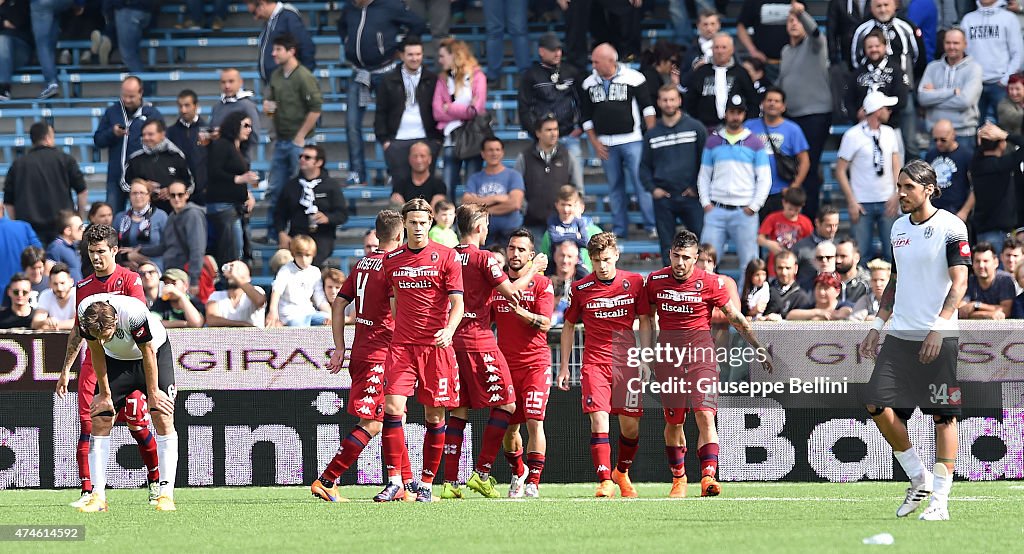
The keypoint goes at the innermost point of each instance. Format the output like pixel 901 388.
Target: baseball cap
pixel 549 41
pixel 875 101
pixel 174 274
pixel 736 102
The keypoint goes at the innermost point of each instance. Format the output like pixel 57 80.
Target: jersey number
pixel 361 280
pixel 534 400
pixel 442 386
pixel 940 394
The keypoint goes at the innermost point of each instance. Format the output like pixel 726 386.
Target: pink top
pixel 459 112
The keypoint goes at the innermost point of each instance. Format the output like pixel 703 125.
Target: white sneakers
pixel 86 496
pixel 935 513
pixel 516 490
pixel 915 495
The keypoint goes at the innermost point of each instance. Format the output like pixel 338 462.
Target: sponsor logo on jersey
pixel 417 271
pixel 140 332
pixel 364 321
pixel 901 241
pixel 492 369
pixel 488 358
pixel 371 390
pixel 613 302
pixel 415 284
pixel 662 276
pixel 374 379
pixel 367 399
pixel 680 296
pixel 396 253
pixel 493 379
pixel 582 286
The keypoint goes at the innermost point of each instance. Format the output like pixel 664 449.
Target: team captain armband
pixel 958 252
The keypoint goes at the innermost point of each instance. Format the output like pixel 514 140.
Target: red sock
pixel 601 454
pixel 676 460
pixel 147 448
pixel 515 461
pixel 406 466
pixel 393 440
pixel 453 437
pixel 627 451
pixel 433 447
pixel 347 454
pixel 493 435
pixel 82 455
pixel 708 455
pixel 534 461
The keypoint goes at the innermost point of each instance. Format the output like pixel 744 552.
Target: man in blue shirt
pixel 951 159
pixel 498 188
pixel 64 248
pixel 780 136
pixel 15 237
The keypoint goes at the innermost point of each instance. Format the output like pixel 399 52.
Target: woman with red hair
pixel 827 306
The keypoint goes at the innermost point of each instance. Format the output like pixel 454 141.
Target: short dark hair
pixel 64 218
pixel 826 211
pixel 684 239
pixel 59 267
pixel 848 239
pixel 138 81
pixel 483 143
pixel 160 125
pixel 32 255
pixel 876 33
pixel 38 132
pixel 286 41
pixel 1012 244
pixel 189 93
pixel 411 40
pixel 98 316
pixel 522 233
pixel 388 224
pixel 19 276
pixel 96 234
pixel 549 116
pixel 983 246
pixel 468 216
pixel 321 154
pixel 776 90
pixel 796 196
pixel 668 87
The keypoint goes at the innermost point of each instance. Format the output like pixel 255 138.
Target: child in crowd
pixel 755 289
pixel 569 224
pixel 442 232
pixel 298 298
pixel 782 229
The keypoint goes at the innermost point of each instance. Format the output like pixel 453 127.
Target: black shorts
pixel 901 382
pixel 127 376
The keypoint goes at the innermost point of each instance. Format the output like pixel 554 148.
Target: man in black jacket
pixel 405 115
pixel 843 18
pixel 878 73
pixel 311 204
pixel 186 135
pixel 711 85
pixel 545 168
pixel 39 184
pixel 368 29
pixel 992 178
pixel 158 162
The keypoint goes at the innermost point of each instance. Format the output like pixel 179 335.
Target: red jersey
pixel 481 274
pixel 421 281
pixel 369 289
pixel 785 232
pixel 523 345
pixel 122 281
pixel 686 305
pixel 607 312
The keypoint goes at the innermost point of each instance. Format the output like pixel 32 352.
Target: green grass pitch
pixel 748 517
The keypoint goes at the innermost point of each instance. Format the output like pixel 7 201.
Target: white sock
pixel 911 464
pixel 167 449
pixel 427 486
pixel 395 480
pixel 943 484
pixel 99 455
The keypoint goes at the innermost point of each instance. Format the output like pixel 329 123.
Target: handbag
pixel 469 137
pixel 785 166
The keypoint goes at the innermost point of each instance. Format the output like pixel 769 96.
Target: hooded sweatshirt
pixel 941 103
pixel 994 39
pixel 184 240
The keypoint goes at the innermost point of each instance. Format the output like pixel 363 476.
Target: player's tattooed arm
pixel 955 296
pixel 740 323
pixel 888 300
pixel 74 346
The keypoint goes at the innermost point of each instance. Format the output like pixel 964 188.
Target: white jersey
pixel 923 253
pixel 135 325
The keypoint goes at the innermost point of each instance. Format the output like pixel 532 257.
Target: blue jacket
pixel 118 149
pixel 287 20
pixel 671 157
pixel 60 251
pixel 370 34
pixel 15 236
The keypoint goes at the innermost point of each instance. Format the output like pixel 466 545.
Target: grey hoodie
pixel 940 102
pixel 994 39
pixel 184 240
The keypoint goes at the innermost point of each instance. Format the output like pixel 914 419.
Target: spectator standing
pixel 826 225
pixel 550 87
pixel 368 29
pixel 40 183
pixel 804 77
pixel 855 279
pixel 312 204
pixel 500 190
pixel 712 84
pixel 843 16
pixel 45 31
pixel 460 96
pixel 405 112
pixel 19 313
pixel 1011 109
pixel 782 139
pixel 870 152
pixel 659 65
pixel 132 19
pixel 15 42
pixel 866 308
pixel 990 290
pixel 616 22
pixel 925 14
pixel 64 248
pixel 295 103
pixel 761 29
pixel 241 304
pixel 669 167
pixel 281 19
pixel 951 161
pixel 191 133
pixel 438 15
pixel 234 98
pixel 56 311
pixel 421 183
pixel 879 73
pixel 994 41
pixel 733 184
pixel 140 228
pixel 545 167
pixel 196 17
pixel 159 163
pixel 756 70
pixel 992 179
pixel 229 179
pixel 15 237
pixel 503 17
pixel 951 87
pixel 699 51
pixel 783 229
pixel 184 239
pixel 120 132
pixel 176 307
pixel 614 103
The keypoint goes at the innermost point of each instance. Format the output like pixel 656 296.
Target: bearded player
pixel 683 297
pixel 367 287
pixel 523 338
pixel 917 363
pixel 607 302
pixel 110 278
pixel 426 280
pixel 483 372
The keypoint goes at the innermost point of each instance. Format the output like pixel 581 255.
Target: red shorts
pixel 366 397
pixel 136 408
pixel 486 381
pixel 532 385
pixel 701 394
pixel 429 372
pixel 604 391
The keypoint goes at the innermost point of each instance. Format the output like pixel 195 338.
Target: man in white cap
pixel 870 152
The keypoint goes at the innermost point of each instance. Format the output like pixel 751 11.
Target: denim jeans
pixel 131 24
pixel 14 53
pixel 452 167
pixel 991 95
pixel 225 231
pixel 501 16
pixel 736 226
pixel 873 219
pixel 354 125
pixel 667 211
pixel 816 130
pixel 116 197
pixel 46 29
pixel 681 23
pixel 622 168
pixel 306 320
pixel 196 13
pixel 284 166
pixel 574 145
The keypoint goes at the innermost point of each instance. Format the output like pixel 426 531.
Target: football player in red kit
pixel 483 372
pixel 683 297
pixel 369 290
pixel 523 338
pixel 101 242
pixel 607 302
pixel 426 280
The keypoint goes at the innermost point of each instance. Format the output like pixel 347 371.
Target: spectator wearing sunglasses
pixel 184 238
pixel 227 185
pixel 19 314
pixel 311 204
